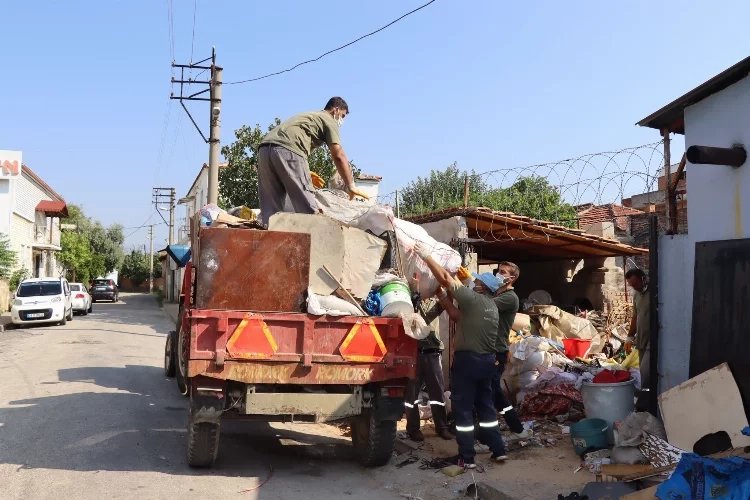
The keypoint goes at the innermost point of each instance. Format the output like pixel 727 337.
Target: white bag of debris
pixel 379 219
pixel 331 305
pixel 414 325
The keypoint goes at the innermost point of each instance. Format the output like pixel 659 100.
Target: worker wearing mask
pixel 429 374
pixel 474 359
pixel 640 331
pixel 283 172
pixel 507 304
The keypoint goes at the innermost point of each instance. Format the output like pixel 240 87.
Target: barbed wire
pixel 575 193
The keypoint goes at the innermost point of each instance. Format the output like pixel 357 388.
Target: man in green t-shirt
pixel 640 331
pixel 283 171
pixel 474 359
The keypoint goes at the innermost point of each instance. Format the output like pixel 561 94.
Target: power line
pixel 192 42
pixel 143 224
pixel 333 50
pixel 170 22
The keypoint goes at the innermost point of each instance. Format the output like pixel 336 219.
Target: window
pixel 76 288
pixel 39 289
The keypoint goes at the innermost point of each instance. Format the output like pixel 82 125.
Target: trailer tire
pixel 203 444
pixel 181 365
pixel 373 439
pixel 169 354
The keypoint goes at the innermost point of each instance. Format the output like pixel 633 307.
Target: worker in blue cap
pixel 474 360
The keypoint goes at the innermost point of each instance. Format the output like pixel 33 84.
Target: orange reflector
pixel 363 343
pixel 252 339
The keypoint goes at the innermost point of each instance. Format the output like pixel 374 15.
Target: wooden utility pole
pixel 151 260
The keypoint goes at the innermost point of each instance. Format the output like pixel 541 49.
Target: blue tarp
pixel 698 478
pixel 179 253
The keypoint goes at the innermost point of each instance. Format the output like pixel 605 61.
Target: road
pixel 87 413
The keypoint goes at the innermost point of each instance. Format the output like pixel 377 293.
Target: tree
pixel 135 266
pixel 531 196
pixel 90 249
pixel 7 258
pixel 238 182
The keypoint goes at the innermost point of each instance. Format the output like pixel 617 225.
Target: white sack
pixel 330 305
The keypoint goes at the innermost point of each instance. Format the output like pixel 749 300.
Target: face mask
pixel 503 280
pixel 339 121
pixel 469 283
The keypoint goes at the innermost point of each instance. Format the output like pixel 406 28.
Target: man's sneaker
pixel 416 436
pixel 497 457
pixel 525 434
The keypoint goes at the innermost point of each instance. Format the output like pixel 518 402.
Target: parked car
pixel 82 301
pixel 104 289
pixel 42 300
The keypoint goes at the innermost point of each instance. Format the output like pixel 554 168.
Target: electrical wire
pixel 144 224
pixel 192 42
pixel 333 50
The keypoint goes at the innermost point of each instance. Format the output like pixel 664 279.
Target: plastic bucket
pixel 589 433
pixel 609 402
pixel 576 347
pixel 395 297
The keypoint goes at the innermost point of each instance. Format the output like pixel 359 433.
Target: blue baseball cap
pixel 490 280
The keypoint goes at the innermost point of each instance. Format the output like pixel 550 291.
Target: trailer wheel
pixel 374 440
pixel 181 365
pixel 169 354
pixel 203 443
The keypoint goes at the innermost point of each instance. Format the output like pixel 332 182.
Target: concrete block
pixel 352 255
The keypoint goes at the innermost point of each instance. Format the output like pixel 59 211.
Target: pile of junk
pixel 361 259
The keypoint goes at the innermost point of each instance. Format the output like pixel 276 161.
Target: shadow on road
pixel 142 427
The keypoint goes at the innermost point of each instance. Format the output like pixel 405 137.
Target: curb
pixel 4 327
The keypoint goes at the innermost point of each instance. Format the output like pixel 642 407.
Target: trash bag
pixel 704 477
pixel 632 428
pixel 629 455
pixel 556 324
pixel 372 304
pixel 330 305
pixel 631 361
pixel 414 325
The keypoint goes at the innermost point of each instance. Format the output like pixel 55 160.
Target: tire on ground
pixel 169 354
pixel 373 440
pixel 203 444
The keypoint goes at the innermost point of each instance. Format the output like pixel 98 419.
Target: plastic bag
pixel 414 325
pixel 330 305
pixel 629 455
pixel 631 361
pixel 383 278
pixel 632 428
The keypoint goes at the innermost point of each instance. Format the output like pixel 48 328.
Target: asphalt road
pixel 87 413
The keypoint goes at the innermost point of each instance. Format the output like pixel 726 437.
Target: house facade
pixel 703 272
pixel 30 213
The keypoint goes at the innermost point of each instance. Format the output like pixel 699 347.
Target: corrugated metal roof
pixel 500 236
pixel 672 115
pixel 53 208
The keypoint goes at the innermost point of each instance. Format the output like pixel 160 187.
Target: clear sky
pixel 486 83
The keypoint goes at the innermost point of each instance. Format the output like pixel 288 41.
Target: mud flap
pixel 388 409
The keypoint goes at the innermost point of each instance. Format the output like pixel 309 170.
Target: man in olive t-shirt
pixel 474 359
pixel 640 331
pixel 283 171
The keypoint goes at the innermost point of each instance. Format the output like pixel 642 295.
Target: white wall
pixel 5 206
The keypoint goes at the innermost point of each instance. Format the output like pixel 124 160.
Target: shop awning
pixel 53 208
pixel 498 236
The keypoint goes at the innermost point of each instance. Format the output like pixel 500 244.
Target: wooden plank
pixel 710 402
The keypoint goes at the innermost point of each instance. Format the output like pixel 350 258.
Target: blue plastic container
pixel 589 432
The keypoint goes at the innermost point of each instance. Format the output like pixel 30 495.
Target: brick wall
pixel 127 286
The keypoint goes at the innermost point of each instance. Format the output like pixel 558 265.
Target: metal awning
pixel 46 246
pixel 53 208
pixel 500 236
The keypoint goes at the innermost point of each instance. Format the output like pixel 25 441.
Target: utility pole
pixel 161 195
pixel 151 260
pixel 214 99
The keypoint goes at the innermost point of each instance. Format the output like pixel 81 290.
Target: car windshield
pixel 75 288
pixel 101 283
pixel 39 289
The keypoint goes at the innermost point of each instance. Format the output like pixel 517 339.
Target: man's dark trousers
pixel 502 405
pixel 471 391
pixel 429 373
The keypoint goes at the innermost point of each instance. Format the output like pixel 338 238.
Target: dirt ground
pixel 533 471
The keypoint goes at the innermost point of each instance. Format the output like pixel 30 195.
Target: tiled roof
pixel 617 214
pixel 368 177
pixel 53 208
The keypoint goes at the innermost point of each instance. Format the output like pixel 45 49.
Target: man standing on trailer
pixel 474 359
pixel 283 171
pixel 640 331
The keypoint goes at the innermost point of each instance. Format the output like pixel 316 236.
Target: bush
pixel 16 278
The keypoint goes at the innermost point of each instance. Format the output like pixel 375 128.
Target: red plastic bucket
pixel 576 347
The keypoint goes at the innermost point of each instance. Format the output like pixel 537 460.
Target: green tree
pixel 532 196
pixel 135 266
pixel 105 252
pixel 7 258
pixel 238 182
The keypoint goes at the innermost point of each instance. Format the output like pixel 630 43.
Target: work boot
pixel 445 434
pixel 416 436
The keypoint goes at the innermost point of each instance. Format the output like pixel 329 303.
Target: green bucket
pixel 589 433
pixel 395 297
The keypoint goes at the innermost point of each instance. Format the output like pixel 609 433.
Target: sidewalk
pixel 172 311
pixel 5 322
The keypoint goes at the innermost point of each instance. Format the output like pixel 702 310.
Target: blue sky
pixel 487 84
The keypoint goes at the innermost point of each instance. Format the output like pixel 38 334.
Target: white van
pixel 42 300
